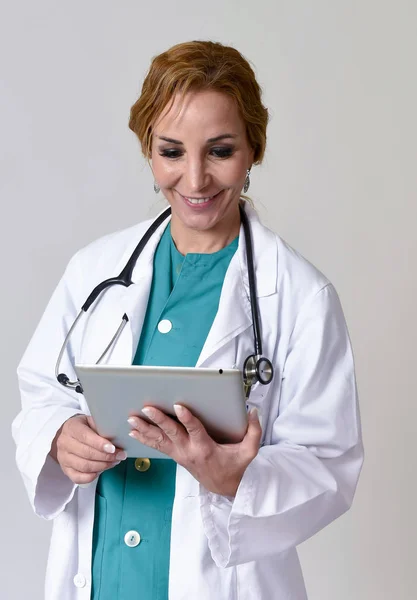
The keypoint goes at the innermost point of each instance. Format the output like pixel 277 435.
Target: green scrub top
pixel 133 509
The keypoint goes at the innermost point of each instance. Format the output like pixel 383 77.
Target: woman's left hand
pixel 218 467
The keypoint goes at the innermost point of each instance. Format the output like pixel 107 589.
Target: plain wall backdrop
pixel 338 183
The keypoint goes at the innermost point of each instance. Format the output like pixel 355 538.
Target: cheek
pixel 166 173
pixel 234 173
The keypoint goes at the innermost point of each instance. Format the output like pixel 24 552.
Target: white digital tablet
pixel 113 394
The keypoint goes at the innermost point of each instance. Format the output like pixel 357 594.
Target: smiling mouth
pixel 197 201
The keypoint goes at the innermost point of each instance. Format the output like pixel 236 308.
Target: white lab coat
pixel 306 471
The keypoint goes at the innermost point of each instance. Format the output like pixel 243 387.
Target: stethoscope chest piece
pixel 256 368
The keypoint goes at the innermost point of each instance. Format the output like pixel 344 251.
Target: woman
pixel 238 511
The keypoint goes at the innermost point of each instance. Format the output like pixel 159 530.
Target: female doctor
pixel 211 521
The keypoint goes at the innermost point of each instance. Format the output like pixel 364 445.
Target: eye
pixel 170 153
pixel 222 152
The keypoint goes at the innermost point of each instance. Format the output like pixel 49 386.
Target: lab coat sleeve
pixel 307 477
pixel 46 404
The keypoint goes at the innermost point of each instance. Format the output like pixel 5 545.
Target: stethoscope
pixel 256 367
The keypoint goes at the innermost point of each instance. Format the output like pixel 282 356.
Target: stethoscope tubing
pixel 252 283
pixel 256 367
pixel 125 277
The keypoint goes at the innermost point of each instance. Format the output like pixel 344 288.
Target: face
pixel 200 155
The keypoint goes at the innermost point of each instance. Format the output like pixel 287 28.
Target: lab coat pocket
pixel 99 535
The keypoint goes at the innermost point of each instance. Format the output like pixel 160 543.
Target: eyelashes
pixel 174 153
pixel 170 153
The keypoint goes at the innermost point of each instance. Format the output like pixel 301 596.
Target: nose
pixel 197 175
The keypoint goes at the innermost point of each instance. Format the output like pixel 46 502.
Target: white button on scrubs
pixel 132 539
pixel 79 580
pixel 164 326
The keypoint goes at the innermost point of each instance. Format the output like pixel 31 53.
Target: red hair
pixel 197 66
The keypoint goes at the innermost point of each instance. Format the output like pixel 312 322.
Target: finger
pixel 173 430
pixel 80 478
pixel 82 465
pixel 253 435
pixel 150 435
pixel 145 429
pixel 83 451
pixel 194 426
pixel 81 431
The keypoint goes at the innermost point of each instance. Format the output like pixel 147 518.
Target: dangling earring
pixel 247 182
pixel 156 188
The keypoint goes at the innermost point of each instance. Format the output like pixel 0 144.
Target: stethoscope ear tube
pixel 61 377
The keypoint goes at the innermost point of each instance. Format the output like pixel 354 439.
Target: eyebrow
pixel 223 136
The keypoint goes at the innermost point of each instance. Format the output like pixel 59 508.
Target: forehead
pixel 204 113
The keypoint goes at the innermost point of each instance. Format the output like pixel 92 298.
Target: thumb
pixel 254 431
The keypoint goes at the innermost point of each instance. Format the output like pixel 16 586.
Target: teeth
pixel 198 200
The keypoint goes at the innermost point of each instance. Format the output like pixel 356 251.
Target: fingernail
pixel 254 413
pixel 109 448
pixel 148 412
pixel 132 421
pixel 121 456
pixel 132 434
pixel 179 410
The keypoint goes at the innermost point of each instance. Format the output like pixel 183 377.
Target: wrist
pixel 228 487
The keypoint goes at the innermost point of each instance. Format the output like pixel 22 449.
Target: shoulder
pixel 304 288
pixel 295 276
pixel 298 272
pixel 302 293
pixel 106 256
pixel 102 259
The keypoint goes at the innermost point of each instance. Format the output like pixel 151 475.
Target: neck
pixel 189 240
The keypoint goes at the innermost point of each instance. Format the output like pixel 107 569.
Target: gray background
pixel 338 183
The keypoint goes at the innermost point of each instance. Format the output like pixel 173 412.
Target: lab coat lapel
pixel 135 297
pixel 117 301
pixel 234 314
pixel 103 322
pixel 134 303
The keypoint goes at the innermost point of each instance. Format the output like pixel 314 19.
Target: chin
pixel 198 222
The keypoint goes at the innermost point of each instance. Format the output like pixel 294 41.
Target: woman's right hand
pixel 81 453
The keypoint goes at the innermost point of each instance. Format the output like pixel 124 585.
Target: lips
pixel 200 202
